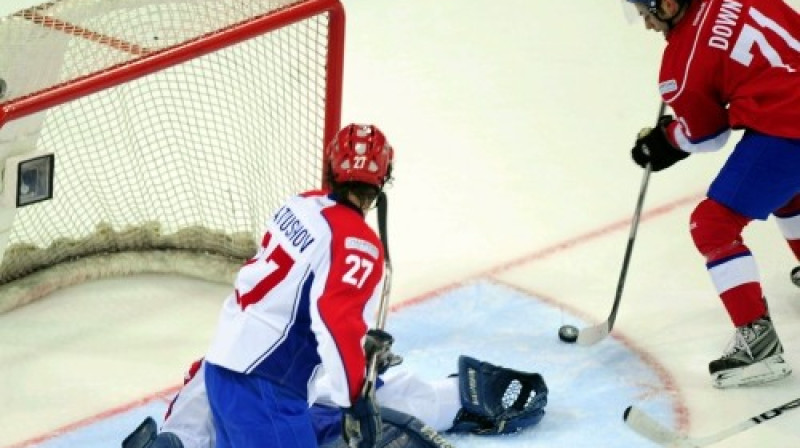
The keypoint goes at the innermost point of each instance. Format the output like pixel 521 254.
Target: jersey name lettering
pixel 294 230
pixel 724 24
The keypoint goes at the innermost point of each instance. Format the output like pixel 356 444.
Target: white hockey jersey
pixel 305 300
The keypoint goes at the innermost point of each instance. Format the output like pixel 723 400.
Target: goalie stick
pixel 595 333
pixel 383 205
pixel 383 307
pixel 647 427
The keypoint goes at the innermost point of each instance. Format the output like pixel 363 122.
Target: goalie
pixel 291 333
pixel 482 399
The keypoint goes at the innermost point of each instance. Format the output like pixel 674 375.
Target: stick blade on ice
pixel 594 334
pixel 645 426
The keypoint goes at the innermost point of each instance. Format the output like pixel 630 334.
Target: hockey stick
pixel 647 427
pixel 383 307
pixel 368 390
pixel 594 334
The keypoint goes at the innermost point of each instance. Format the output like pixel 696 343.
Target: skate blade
pixel 766 371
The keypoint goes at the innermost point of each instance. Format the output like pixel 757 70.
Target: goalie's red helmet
pixel 360 153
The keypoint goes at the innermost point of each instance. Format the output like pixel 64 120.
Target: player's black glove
pixel 379 343
pixel 653 147
pixel 361 423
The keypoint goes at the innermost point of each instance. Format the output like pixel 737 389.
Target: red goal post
pixel 176 127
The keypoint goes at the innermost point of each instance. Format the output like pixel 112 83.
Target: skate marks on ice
pixel 590 387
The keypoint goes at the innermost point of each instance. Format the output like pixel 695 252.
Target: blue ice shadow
pixel 590 387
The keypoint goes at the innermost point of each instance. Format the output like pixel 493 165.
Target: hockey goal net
pixel 177 127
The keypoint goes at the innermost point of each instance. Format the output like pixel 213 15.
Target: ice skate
pixel 755 357
pixel 795 276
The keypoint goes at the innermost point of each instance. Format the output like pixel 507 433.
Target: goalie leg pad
pixel 401 430
pixel 497 400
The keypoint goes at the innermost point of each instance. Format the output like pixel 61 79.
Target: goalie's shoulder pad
pixel 497 400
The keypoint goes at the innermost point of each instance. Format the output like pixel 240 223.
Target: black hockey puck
pixel 568 333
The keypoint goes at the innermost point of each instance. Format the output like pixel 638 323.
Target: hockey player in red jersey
pixel 733 65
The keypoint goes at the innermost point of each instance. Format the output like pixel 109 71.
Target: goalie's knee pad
pixel 497 400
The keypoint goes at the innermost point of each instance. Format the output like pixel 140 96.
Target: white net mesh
pixel 192 157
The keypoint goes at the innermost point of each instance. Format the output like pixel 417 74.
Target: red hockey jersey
pixel 732 65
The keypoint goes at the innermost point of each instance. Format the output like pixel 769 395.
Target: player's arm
pixel 345 307
pixel 694 91
pixel 701 122
pixel 344 311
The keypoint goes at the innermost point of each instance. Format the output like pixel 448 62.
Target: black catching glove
pixel 379 343
pixel 653 147
pixel 361 423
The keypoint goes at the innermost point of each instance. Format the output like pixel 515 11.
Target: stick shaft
pixel 383 232
pixel 383 306
pixel 593 334
pixel 637 214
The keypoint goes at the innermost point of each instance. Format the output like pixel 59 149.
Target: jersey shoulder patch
pixel 361 245
pixel 668 87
